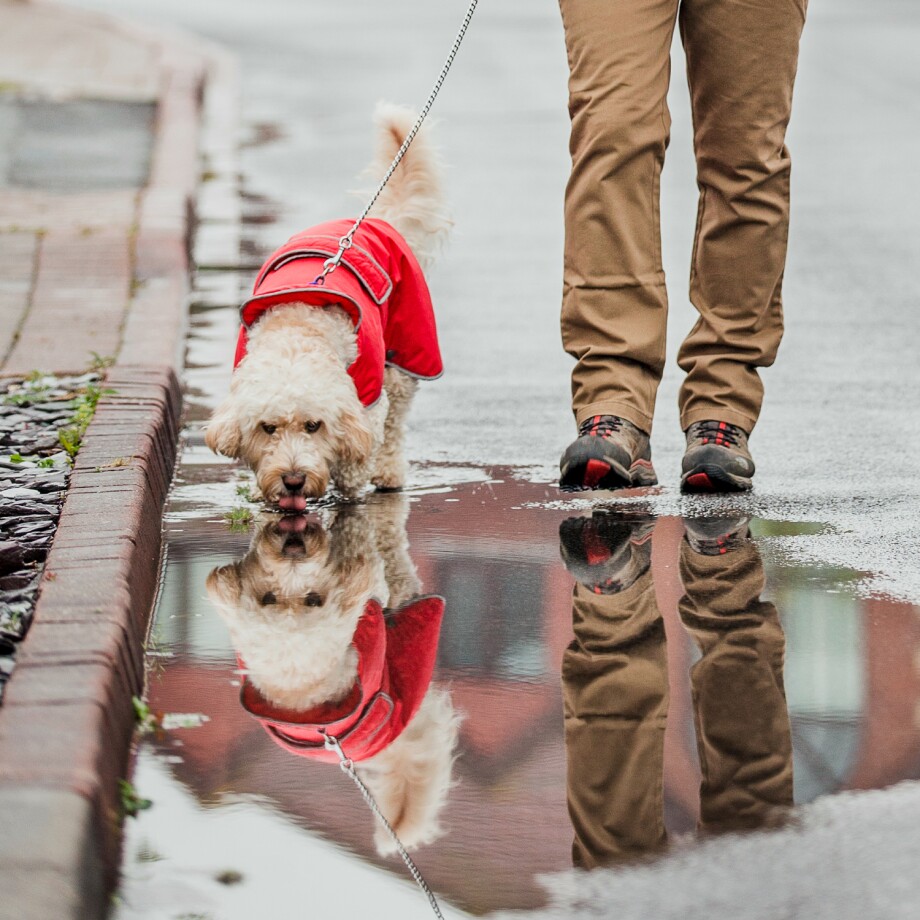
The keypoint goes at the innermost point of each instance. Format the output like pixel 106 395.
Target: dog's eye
pixel 268 598
pixel 313 599
pixel 313 427
pixel 269 429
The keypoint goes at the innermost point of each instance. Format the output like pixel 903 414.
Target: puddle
pixel 791 686
pixel 528 682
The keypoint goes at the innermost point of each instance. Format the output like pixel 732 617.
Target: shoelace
pixel 720 432
pixel 601 425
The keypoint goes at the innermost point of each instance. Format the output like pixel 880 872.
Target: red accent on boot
pixel 595 471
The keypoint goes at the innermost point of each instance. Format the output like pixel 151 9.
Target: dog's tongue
pixel 292 503
pixel 292 523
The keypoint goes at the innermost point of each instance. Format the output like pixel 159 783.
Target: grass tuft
pixel 239 519
pixel 132 803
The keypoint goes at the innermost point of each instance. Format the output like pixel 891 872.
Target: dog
pixel 325 371
pixel 334 637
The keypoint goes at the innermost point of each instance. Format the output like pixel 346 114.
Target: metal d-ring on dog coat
pixel 396 658
pixel 379 284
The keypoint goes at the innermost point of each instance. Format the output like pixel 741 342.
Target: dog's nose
pixel 294 548
pixel 293 482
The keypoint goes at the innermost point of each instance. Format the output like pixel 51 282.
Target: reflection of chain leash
pixel 346 241
pixel 348 767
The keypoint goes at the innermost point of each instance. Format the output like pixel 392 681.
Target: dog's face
pixel 292 605
pixel 292 417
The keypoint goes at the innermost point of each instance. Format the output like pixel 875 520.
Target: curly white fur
pixel 292 412
pixel 411 778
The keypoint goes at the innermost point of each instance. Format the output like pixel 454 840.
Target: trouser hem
pixel 745 422
pixel 641 420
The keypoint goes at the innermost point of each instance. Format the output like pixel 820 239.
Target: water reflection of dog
pixel 616 686
pixel 334 637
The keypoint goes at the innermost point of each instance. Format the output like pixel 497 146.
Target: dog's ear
pixel 225 586
pixel 223 434
pixel 355 441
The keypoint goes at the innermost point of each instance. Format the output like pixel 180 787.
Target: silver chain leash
pixel 345 242
pixel 348 767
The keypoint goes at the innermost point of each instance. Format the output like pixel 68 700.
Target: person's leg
pixel 742 723
pixel 741 64
pixel 615 692
pixel 614 306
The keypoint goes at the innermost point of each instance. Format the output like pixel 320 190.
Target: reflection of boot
pixel 714 536
pixel 615 693
pixel 742 724
pixel 607 552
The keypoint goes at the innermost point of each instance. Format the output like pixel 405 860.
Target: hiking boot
pixel 605 552
pixel 717 459
pixel 609 453
pixel 716 536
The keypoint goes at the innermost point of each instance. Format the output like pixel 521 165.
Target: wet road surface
pixel 718 687
pixel 603 686
pixel 840 434
pixel 706 686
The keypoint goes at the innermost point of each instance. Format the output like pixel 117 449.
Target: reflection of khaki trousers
pixel 615 688
pixel 741 63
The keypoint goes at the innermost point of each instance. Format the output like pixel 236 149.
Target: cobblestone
pixel 34 472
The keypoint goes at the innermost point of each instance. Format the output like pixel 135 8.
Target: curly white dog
pixel 326 370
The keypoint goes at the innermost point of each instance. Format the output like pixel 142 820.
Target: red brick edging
pixel 67 719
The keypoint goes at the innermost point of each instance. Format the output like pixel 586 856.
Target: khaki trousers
pixel 741 63
pixel 615 691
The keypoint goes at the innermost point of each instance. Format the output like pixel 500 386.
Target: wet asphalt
pixel 834 515
pixel 840 433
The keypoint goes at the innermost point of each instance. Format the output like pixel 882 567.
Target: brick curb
pixel 67 722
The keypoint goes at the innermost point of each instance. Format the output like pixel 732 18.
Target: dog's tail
pixel 411 778
pixel 413 201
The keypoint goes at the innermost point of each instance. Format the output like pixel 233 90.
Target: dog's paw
pixel 389 473
pixel 388 482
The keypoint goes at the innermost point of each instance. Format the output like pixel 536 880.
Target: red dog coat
pixel 396 659
pixel 379 283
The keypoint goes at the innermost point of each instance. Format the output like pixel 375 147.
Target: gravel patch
pixel 42 420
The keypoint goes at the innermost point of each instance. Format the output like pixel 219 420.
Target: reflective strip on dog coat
pixel 379 283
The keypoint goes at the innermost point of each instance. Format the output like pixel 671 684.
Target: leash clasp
pixel 331 743
pixel 333 262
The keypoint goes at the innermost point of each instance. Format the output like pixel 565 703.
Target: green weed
pixel 239 519
pixel 132 803
pixel 146 720
pixel 100 362
pixel 85 403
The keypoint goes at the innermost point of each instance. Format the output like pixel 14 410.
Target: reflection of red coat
pixel 396 656
pixel 379 283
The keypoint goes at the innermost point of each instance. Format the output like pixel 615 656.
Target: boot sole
pixel 605 474
pixel 708 478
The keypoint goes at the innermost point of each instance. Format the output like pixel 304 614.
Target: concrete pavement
pixel 102 125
